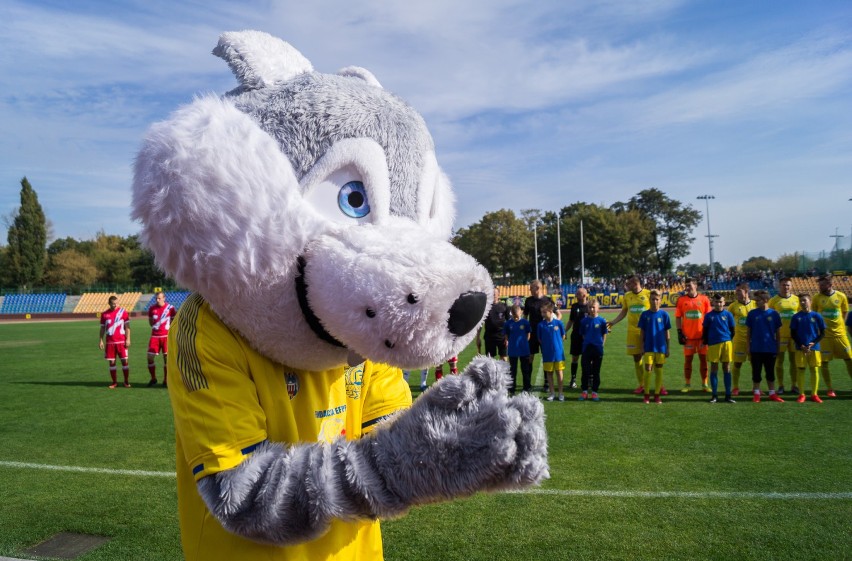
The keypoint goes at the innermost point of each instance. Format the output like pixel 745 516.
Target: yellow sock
pixel 640 375
pixel 800 380
pixel 779 371
pixel 658 379
pixel 814 381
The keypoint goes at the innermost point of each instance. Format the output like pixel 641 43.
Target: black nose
pixel 466 312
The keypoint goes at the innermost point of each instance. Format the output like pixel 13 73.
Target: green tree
pixel 500 242
pixel 27 238
pixel 788 262
pixel 70 268
pixel 756 264
pixel 673 223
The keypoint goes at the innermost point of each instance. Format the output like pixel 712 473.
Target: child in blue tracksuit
pixel 594 330
pixel 518 330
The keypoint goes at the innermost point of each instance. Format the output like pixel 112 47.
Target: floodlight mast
pixel 706 199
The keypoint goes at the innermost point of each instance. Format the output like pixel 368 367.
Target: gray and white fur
pixel 241 199
pixel 461 436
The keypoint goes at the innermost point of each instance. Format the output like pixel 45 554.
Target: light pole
pixel 706 199
pixel 535 241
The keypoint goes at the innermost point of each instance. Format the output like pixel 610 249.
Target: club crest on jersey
pixel 292 384
pixel 353 377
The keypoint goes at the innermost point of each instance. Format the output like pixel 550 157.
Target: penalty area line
pixel 726 495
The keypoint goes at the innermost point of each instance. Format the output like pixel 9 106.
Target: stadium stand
pixel 95 302
pixel 32 303
pixel 173 298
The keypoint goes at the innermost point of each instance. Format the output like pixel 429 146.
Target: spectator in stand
pixel 689 316
pixel 114 340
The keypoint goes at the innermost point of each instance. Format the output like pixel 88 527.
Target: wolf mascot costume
pixel 308 214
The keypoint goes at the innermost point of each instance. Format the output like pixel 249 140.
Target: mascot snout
pixel 416 298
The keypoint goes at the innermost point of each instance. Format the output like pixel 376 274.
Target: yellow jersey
pixel 227 398
pixel 740 312
pixel 833 309
pixel 786 308
pixel 634 304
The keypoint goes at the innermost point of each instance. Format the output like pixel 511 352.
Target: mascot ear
pixel 358 72
pixel 219 203
pixel 258 59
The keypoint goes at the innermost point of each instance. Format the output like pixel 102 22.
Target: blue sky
pixel 532 104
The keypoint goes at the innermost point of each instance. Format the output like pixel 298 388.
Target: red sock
pixel 454 362
pixel 126 371
pixel 112 371
pixel 439 372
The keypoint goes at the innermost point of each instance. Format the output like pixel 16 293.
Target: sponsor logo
pixel 692 314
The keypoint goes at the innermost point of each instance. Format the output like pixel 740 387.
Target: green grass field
pixel 684 480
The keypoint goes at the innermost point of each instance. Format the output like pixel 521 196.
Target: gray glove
pixel 461 436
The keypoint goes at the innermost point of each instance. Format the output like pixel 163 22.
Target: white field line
pixel 558 492
pixel 79 469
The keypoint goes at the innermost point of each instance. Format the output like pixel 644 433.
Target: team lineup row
pixel 809 330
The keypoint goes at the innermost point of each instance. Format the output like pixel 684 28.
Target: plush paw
pixel 462 436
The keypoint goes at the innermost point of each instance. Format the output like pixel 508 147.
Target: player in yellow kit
pixel 833 306
pixel 787 305
pixel 740 309
pixel 636 300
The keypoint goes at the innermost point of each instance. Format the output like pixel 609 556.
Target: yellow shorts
pixel 634 343
pixel 740 351
pixel 813 358
pixel 720 352
pixel 835 347
pixel 652 359
pixel 553 366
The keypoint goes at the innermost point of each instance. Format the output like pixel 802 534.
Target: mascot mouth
pixel 309 315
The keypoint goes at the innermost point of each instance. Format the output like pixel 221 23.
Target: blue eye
pixel 352 200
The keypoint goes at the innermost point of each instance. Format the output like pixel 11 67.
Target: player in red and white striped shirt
pixel 114 339
pixel 160 317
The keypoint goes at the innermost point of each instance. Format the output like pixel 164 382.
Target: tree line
pixel 648 233
pixel 28 262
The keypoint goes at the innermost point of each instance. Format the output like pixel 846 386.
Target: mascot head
pixel 309 210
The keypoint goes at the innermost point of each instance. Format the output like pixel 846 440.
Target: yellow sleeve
pixel 386 393
pixel 218 417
